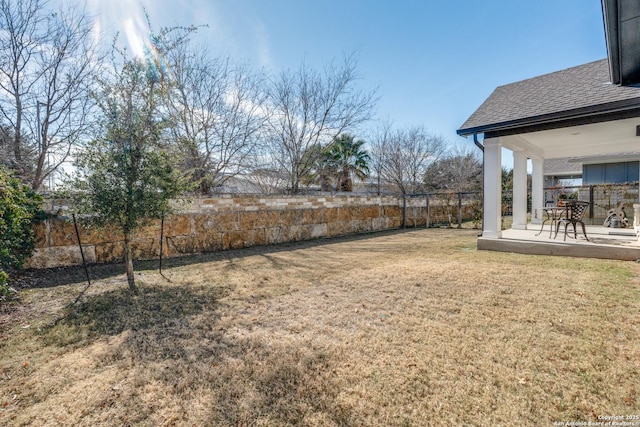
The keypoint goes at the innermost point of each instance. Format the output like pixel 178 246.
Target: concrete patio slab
pixel 604 243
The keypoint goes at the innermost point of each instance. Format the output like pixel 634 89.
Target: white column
pixel 519 190
pixel 492 208
pixel 537 190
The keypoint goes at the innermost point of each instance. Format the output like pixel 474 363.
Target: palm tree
pixel 320 168
pixel 349 158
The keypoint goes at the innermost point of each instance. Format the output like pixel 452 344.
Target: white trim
pixel 492 209
pixel 537 190
pixel 519 190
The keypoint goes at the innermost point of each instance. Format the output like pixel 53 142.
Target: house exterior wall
pixel 610 173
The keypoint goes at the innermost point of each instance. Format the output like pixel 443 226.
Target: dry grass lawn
pixel 409 328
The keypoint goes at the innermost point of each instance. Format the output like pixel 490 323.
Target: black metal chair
pixel 575 213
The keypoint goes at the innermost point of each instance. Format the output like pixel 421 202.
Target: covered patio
pixel 575 112
pixel 604 243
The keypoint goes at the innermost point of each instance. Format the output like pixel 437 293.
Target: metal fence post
pixel 459 209
pixel 404 211
pixel 161 239
pixel 428 213
pixel 84 261
pixel 591 203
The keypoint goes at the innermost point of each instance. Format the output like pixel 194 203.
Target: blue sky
pixel 432 62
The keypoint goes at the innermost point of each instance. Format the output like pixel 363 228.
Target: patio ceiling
pixel 595 139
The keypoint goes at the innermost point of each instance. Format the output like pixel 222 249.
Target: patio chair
pixel 575 212
pixel 616 213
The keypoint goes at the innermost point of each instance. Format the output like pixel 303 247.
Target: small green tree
pixel 127 177
pixel 20 206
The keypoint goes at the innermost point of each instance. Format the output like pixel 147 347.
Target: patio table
pixel 552 215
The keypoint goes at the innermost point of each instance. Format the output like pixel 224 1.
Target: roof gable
pixel 574 91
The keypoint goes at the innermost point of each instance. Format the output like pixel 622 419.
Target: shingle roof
pixel 574 89
pixel 561 166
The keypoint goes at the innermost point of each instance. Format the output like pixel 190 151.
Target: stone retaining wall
pixel 227 222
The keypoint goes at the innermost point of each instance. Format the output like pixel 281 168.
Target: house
pixel 575 112
pixel 562 172
pixel 590 111
pixel 573 171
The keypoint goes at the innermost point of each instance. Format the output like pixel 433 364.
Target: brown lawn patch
pixel 406 328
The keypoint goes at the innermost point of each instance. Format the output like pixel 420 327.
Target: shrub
pixel 5 290
pixel 20 206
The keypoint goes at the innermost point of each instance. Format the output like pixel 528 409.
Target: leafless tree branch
pixel 47 62
pixel 311 107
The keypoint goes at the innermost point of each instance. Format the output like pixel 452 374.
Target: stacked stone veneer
pixel 226 222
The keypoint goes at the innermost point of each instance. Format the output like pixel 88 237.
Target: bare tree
pixel 20 40
pixel 46 64
pixel 310 108
pixel 219 113
pixel 26 147
pixel 378 142
pixel 459 171
pixel 264 172
pixel 406 155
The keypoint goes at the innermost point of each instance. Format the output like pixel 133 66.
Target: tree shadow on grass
pixel 113 312
pixel 51 277
pixel 173 337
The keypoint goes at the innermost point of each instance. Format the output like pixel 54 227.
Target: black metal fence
pixel 601 198
pixel 453 209
pixel 443 209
